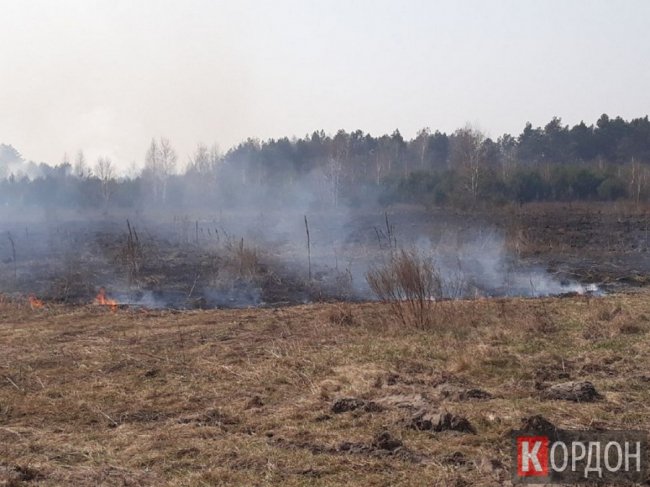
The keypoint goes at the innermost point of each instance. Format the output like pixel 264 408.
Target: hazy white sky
pixel 107 76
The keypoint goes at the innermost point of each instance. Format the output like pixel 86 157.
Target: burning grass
pixel 34 302
pixel 103 300
pixel 154 268
pixel 248 397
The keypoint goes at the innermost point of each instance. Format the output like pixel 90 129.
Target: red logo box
pixel 532 456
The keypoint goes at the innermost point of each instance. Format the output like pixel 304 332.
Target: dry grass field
pixel 253 397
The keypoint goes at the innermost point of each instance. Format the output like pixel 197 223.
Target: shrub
pixel 612 189
pixel 528 186
pixel 410 284
pixel 585 184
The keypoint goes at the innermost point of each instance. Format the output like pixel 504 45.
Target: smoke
pixel 477 261
pixel 240 240
pixel 12 165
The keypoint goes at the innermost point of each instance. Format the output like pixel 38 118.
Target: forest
pixel 606 161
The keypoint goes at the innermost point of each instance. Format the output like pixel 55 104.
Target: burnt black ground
pixel 242 259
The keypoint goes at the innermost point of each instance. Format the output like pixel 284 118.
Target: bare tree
pixel 200 161
pixel 421 143
pixel 106 174
pixel 151 158
pixel 467 155
pixel 151 168
pixel 168 157
pixel 160 164
pixel 204 164
pixel 339 157
pixel 637 179
pixel 80 167
pixel 216 158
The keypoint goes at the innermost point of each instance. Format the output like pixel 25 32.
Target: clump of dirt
pixel 461 394
pixel 576 391
pixel 152 373
pixel 351 404
pixel 630 329
pixel 553 369
pixel 392 379
pixel 19 474
pixel 537 423
pixel 383 444
pixel 456 459
pixel 346 404
pixel 424 420
pixel 386 441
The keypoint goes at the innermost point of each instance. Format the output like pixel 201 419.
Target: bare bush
pixel 132 254
pixel 236 262
pixel 410 284
pixel 248 261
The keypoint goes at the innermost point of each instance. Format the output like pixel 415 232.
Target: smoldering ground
pixel 245 256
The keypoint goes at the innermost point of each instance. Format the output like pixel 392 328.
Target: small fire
pixel 102 300
pixel 35 303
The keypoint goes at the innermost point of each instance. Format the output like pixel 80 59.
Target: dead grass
pixel 243 397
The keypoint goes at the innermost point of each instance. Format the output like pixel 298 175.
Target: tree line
pixel 608 160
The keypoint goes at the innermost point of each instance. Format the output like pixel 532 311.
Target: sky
pixel 108 76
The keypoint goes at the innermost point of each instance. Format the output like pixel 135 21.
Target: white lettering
pixel 528 456
pixel 637 455
pixel 619 455
pixel 594 446
pixel 574 455
pixel 565 456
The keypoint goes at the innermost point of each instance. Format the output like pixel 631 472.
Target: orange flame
pixel 102 300
pixel 34 302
